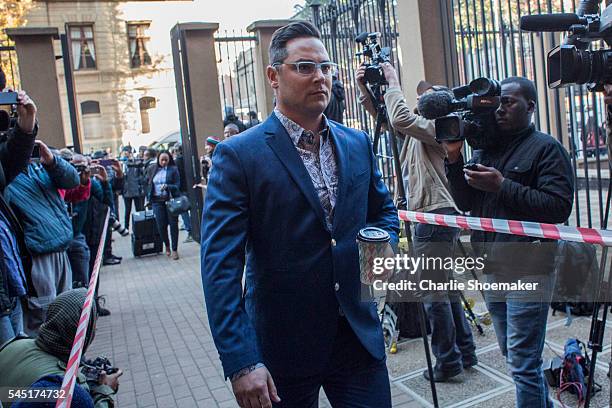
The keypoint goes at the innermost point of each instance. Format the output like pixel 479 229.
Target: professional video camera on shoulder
pixel 572 63
pixel 376 55
pixel 465 113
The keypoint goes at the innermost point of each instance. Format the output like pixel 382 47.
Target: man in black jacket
pixel 526 175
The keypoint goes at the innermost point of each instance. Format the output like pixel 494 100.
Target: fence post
pixel 263 30
pixel 425 28
pixel 552 115
pixel 197 88
pixel 38 74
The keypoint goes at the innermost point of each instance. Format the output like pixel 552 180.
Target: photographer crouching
pixel 422 165
pixel 518 174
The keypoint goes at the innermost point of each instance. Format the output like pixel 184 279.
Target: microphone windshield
pixel 434 105
pixel 550 22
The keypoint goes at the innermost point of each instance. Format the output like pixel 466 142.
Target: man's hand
pixel 46 157
pixel 101 172
pixel 117 167
pixel 112 380
pixel 360 77
pixel 453 151
pixel 485 178
pixel 255 389
pixel 390 75
pixel 26 112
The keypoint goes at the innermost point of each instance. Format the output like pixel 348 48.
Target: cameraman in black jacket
pixel 523 175
pixel 16 146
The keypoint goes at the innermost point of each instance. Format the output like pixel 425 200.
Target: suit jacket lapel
pixel 278 139
pixel 344 174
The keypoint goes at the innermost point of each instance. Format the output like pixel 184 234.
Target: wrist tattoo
pixel 246 370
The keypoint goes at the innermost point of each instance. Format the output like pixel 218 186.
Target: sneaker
pixel 188 239
pixel 175 256
pixel 441 376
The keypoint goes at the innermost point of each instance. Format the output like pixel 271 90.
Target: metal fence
pixel 340 21
pixel 236 69
pixel 8 63
pixel 489 43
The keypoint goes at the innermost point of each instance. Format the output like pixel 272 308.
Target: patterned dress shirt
pixel 321 166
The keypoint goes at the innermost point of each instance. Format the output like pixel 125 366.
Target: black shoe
pixel 101 310
pixel 441 376
pixel 470 362
pixel 111 261
pixel 116 257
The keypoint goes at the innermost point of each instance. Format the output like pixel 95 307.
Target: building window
pixel 145 103
pixel 90 107
pixel 82 43
pixel 138 42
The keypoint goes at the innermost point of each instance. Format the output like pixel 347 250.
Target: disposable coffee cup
pixel 372 242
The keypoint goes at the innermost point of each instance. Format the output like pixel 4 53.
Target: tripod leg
pixel 470 313
pixel 598 325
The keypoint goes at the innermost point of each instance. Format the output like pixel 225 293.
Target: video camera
pixel 465 113
pixel 376 55
pixel 572 62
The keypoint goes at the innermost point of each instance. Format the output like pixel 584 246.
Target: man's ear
pixel 531 106
pixel 272 75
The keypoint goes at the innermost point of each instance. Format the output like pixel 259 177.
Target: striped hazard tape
pixel 72 368
pixel 525 228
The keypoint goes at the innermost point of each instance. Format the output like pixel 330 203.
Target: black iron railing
pixel 340 21
pixel 236 68
pixel 489 43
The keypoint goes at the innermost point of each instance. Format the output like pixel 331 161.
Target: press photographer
pixel 422 165
pixel 519 174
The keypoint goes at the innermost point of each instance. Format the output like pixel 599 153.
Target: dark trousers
pixel 353 378
pixel 451 336
pixel 163 219
pixel 138 203
pixel 78 254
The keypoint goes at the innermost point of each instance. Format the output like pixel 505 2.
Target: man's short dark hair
pixel 278 45
pixel 528 89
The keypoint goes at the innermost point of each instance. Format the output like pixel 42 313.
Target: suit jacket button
pixel 333 242
pixel 337 287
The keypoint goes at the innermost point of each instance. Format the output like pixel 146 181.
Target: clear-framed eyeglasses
pixel 310 67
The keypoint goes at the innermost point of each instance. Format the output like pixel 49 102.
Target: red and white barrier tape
pixel 74 361
pixel 525 228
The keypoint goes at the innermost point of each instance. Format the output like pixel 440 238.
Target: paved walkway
pixel 158 334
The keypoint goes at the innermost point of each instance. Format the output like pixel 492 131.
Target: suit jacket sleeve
pixel 381 210
pixel 224 231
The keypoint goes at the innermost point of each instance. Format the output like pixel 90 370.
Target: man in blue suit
pixel 288 197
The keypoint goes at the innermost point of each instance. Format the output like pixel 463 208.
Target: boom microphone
pixel 434 105
pixel 551 22
pixel 361 38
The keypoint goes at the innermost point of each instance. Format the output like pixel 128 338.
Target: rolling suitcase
pixel 145 237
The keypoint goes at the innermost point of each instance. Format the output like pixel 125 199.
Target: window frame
pixel 145 38
pixel 82 25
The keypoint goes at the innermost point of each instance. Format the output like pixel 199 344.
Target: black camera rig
pixel 465 113
pixel 376 55
pixel 573 63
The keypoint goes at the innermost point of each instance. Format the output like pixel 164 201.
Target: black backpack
pixel 577 279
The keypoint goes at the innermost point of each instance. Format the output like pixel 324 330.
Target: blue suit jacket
pixel 261 207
